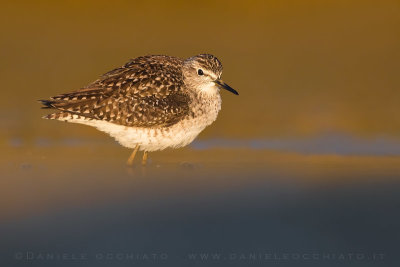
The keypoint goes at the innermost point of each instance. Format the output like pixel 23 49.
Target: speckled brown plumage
pixel 147 91
pixel 150 103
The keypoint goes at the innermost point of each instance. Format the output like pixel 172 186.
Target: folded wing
pixel 145 92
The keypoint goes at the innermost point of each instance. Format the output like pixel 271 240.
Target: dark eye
pixel 200 72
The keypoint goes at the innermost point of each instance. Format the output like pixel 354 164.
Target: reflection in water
pixel 75 200
pixel 339 144
pixel 326 144
pixel 79 197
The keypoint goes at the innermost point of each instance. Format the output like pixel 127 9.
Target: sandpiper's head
pixel 203 74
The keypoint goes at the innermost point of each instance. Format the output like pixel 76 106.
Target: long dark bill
pixel 223 85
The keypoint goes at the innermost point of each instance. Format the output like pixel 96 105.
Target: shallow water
pixel 338 144
pixel 232 203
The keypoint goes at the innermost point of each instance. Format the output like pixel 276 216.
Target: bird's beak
pixel 223 85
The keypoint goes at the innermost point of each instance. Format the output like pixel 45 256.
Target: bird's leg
pixel 144 160
pixel 132 157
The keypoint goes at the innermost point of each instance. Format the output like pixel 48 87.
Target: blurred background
pixel 304 160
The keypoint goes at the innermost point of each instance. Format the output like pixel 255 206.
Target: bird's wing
pixel 145 92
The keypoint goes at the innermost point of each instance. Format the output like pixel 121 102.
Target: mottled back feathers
pixel 146 92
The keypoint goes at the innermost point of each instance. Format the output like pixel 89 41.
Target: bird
pixel 149 104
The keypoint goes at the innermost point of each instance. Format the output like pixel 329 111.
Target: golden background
pixel 302 67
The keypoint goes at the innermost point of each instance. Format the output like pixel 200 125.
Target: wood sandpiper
pixel 150 103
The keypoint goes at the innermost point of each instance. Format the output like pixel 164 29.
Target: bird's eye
pixel 200 72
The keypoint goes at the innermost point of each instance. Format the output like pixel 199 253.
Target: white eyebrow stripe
pixel 210 73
